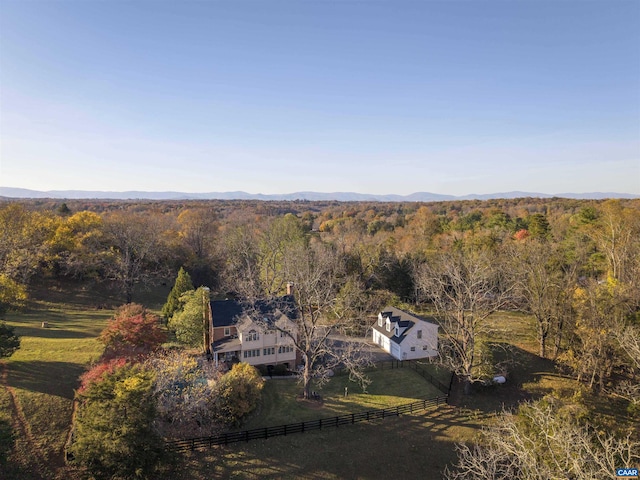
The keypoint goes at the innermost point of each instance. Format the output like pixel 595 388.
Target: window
pixel 251 353
pixel 413 349
pixel 252 336
pixel 380 321
pixel 285 349
pixel 388 325
pixel 269 351
pixel 227 331
pixel 419 334
pixel 425 348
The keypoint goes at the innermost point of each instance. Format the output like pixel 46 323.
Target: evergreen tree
pixel 188 322
pixel 9 342
pixel 182 285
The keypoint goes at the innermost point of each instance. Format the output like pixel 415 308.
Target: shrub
pixel 112 429
pixel 238 393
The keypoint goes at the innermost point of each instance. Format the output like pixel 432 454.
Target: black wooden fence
pixel 280 430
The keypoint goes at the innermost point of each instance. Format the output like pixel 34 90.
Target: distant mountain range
pixel 10 192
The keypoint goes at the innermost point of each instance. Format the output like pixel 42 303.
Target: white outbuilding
pixel 405 336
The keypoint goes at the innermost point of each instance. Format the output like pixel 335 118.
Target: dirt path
pixel 31 456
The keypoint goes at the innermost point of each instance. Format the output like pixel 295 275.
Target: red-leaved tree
pixel 133 331
pixel 98 372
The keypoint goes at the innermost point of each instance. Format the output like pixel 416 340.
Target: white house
pixel 405 336
pixel 265 342
pixel 238 337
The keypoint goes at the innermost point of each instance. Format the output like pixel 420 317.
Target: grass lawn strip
pixel 281 403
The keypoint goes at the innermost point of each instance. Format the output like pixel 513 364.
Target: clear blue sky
pixel 451 97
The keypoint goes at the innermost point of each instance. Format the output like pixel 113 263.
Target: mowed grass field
pixel 39 380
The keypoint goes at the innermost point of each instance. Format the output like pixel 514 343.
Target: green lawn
pixel 281 403
pixel 409 446
pixel 43 374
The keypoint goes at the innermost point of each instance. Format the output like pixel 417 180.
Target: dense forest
pixel 573 266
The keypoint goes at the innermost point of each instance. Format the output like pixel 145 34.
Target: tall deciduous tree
pixel 12 293
pixel 315 273
pixel 197 231
pixel 182 285
pixel 23 236
pixel 135 246
pixel 466 286
pixel 77 247
pixel 592 354
pixel 544 285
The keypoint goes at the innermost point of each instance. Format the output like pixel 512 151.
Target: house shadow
pixel 520 368
pixel 51 378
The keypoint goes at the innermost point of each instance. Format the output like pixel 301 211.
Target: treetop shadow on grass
pixel 522 367
pixel 51 331
pixel 36 375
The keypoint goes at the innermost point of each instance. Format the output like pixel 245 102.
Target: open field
pixel 411 446
pixel 40 378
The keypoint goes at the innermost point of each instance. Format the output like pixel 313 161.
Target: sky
pixel 370 96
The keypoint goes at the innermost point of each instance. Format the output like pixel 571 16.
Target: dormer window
pixel 252 335
pixel 397 332
pixel 379 320
pixel 388 325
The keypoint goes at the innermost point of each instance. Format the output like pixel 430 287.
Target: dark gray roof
pixel 225 313
pixel 402 318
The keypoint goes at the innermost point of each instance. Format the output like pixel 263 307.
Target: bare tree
pixel 135 248
pixel 543 442
pixel 314 273
pixel 465 286
pixel 544 285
